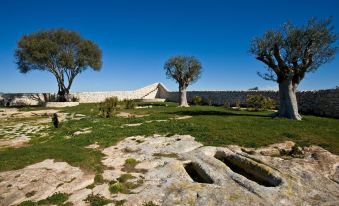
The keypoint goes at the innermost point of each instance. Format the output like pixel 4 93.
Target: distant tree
pixel 290 53
pixel 185 70
pixel 63 53
pixel 253 89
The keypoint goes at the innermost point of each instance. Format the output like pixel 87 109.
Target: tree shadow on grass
pixel 217 113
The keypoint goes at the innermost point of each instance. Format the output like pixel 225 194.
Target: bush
pixel 116 188
pixel 259 102
pixel 97 200
pixel 210 102
pixel 74 99
pixel 227 105
pixel 197 100
pixel 237 103
pixel 129 104
pixel 108 107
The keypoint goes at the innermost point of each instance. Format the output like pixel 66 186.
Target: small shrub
pixel 129 104
pixel 125 177
pixel 131 162
pixel 98 179
pixel 197 100
pixel 74 99
pixel 56 199
pixel 227 105
pixel 27 203
pixel 119 202
pixel 210 102
pixel 116 188
pixel 97 200
pixel 149 203
pixel 259 102
pixel 108 107
pixel 30 194
pixel 237 103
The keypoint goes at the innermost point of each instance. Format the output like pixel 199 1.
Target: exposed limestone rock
pixel 131 125
pixel 17 141
pixel 93 146
pixel 83 131
pixel 179 171
pixel 13 112
pixel 129 115
pixel 17 127
pixel 44 179
pixel 182 117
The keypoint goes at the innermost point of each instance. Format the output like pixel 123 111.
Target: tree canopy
pixel 292 51
pixel 183 69
pixel 63 53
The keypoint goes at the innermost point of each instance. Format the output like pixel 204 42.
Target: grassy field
pixel 210 125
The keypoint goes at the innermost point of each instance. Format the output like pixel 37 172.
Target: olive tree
pixel 185 70
pixel 63 53
pixel 291 52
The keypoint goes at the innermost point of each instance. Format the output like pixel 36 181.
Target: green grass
pixel 97 200
pixel 124 185
pixel 210 125
pixel 56 199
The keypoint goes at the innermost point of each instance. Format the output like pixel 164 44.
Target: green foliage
pixel 124 185
pixel 63 53
pixel 129 104
pixel 259 102
pixel 237 103
pixel 214 126
pixel 197 100
pixel 131 162
pixel 149 203
pixel 227 105
pixel 125 177
pixel 292 51
pixel 74 99
pixel 108 107
pixel 116 188
pixel 98 179
pixel 183 69
pixel 210 102
pixel 119 202
pixel 97 200
pixel 30 194
pixel 56 199
pixel 27 203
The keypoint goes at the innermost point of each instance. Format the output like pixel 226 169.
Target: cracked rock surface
pixel 42 180
pixel 177 170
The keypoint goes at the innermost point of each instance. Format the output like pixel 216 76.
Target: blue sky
pixel 137 37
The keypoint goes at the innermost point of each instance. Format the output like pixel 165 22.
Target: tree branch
pixel 277 56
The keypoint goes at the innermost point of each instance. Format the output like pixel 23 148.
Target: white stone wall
pixel 319 102
pixel 148 92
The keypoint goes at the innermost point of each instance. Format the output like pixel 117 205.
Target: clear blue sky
pixel 137 37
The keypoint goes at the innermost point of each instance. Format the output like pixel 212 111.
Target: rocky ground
pixel 17 127
pixel 177 170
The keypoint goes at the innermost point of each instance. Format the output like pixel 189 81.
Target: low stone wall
pixel 319 102
pixel 18 99
pixel 61 104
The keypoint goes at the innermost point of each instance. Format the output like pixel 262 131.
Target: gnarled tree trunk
pixel 183 96
pixel 288 101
